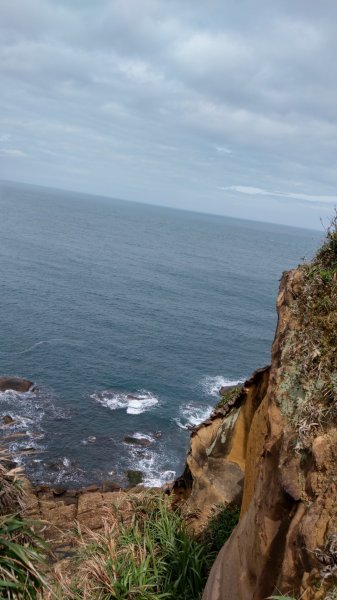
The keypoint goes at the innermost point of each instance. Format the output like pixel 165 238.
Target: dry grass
pixel 312 348
pixel 147 555
pixel 21 549
pixel 10 488
pixel 327 557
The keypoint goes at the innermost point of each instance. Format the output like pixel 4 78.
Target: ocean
pixel 129 318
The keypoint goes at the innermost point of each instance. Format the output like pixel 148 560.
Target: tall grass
pixel 149 556
pixel 20 559
pixel 21 549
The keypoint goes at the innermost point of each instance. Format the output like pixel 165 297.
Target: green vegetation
pixel 281 598
pixel 148 555
pixel 310 353
pixel 331 594
pixel 134 477
pixel 20 559
pixel 221 525
pixel 21 549
pixel 228 396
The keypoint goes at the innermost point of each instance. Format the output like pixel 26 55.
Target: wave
pixel 212 385
pixel 192 415
pixel 143 436
pixel 150 462
pixel 50 341
pixel 134 404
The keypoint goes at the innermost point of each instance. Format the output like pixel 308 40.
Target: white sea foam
pixel 212 385
pixel 142 436
pixel 50 341
pixel 134 404
pixel 150 462
pixel 192 415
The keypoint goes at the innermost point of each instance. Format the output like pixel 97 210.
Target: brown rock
pixel 8 420
pixel 225 388
pixel 320 450
pixel 289 513
pixel 15 383
pixel 110 486
pixel 137 441
pixel 90 488
pixel 217 456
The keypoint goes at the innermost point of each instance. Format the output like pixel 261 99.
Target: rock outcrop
pixel 15 383
pixel 286 540
pixel 215 464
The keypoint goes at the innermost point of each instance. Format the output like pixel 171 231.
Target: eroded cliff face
pixel 285 459
pixel 215 464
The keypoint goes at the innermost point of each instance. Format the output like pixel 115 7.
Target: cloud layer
pixel 210 106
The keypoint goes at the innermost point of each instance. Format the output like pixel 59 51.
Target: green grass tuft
pixel 148 556
pixel 228 396
pixel 21 549
pixel 221 525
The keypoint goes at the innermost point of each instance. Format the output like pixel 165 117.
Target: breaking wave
pixel 134 404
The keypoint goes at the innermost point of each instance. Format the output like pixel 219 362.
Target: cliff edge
pixel 277 442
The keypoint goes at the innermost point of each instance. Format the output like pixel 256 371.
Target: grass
pixel 220 526
pixel 228 396
pixel 21 549
pixel 310 350
pixel 21 562
pixel 148 556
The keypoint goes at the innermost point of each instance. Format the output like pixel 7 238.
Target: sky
pixel 227 107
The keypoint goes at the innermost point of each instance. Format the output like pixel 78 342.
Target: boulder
pixel 15 383
pixel 129 439
pixel 8 420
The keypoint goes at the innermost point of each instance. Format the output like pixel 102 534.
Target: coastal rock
pixel 8 420
pixel 284 542
pixel 129 439
pixel 215 465
pixel 15 383
pixel 135 477
pixel 225 388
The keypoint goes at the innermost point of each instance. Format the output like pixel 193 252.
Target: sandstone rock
pixel 15 383
pixel 288 514
pixel 90 488
pixel 110 486
pixel 225 388
pixel 217 456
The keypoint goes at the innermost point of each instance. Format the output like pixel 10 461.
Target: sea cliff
pixel 273 449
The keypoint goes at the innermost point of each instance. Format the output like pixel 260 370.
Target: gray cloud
pixel 186 104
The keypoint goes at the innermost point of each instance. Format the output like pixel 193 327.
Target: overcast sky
pixel 227 106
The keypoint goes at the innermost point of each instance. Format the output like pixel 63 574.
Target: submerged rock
pixel 129 439
pixel 134 476
pixel 15 383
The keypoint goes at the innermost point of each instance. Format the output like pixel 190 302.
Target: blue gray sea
pixel 129 318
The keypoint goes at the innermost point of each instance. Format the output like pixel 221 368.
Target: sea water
pixel 129 318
